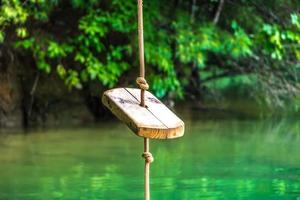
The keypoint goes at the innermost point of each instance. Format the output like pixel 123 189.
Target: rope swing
pixel 143 85
pixel 151 121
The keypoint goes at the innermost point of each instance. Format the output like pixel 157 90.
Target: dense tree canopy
pixel 193 47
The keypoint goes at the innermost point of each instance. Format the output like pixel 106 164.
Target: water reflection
pixel 228 159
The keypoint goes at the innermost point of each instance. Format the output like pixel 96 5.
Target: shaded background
pixel 57 57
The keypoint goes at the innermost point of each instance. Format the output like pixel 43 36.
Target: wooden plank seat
pixel 154 121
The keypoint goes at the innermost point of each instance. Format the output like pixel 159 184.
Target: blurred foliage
pixel 192 47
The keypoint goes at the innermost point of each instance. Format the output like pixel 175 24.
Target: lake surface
pixel 216 159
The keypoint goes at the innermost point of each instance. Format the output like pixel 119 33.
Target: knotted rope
pixel 141 80
pixel 148 157
pixel 148 160
pixel 143 85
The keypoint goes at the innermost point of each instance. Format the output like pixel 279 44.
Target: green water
pixel 217 159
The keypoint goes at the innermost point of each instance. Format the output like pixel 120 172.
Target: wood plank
pixel 161 112
pixel 155 121
pixel 125 106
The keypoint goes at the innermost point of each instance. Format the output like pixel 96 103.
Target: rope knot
pixel 142 83
pixel 148 157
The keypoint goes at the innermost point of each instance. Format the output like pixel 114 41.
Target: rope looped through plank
pixel 142 83
pixel 148 157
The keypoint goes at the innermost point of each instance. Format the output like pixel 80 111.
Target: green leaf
pixel 61 71
pixel 21 32
pixel 2 36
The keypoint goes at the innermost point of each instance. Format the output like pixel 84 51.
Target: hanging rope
pixel 143 85
pixel 141 81
pixel 148 160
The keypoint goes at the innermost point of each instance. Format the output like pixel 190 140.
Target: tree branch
pixel 218 13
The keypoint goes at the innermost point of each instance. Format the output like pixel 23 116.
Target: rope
pixel 142 82
pixel 148 160
pixel 141 38
pixel 143 85
pixel 148 157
